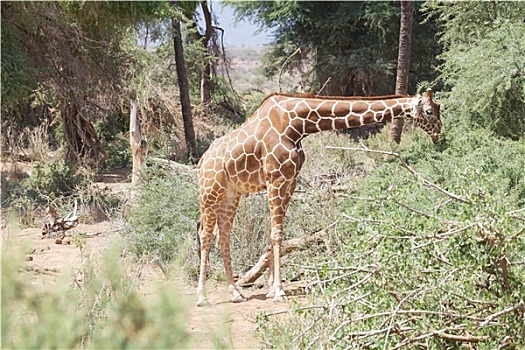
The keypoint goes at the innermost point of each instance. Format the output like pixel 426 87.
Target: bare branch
pixel 284 65
pixel 324 85
pixel 518 307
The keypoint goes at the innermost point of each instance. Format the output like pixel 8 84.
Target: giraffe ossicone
pixel 265 153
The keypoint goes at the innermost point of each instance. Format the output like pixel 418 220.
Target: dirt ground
pixel 231 324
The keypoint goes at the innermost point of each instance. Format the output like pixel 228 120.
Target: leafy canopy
pixel 484 62
pixel 354 44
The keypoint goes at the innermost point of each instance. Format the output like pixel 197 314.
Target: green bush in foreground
pixel 415 266
pixel 102 311
pixel 163 216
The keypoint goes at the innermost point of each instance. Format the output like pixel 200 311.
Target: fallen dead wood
pixel 55 227
pixel 287 246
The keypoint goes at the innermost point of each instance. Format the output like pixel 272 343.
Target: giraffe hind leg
pixel 225 222
pixel 205 233
pixel 271 291
pixel 199 240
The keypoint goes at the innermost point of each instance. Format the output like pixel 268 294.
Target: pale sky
pixel 238 33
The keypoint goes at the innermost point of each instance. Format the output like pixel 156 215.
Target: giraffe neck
pixel 311 115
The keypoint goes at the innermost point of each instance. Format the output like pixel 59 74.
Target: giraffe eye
pixel 428 112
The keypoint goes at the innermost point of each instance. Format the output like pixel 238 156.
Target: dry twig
pixel 284 65
pixel 520 307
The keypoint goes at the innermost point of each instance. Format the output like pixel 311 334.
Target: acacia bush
pixel 483 63
pixel 430 258
pixel 162 218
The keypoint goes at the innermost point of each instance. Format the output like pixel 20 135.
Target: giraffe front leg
pixel 279 195
pixel 276 290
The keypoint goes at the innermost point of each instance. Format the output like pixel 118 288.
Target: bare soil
pixel 223 321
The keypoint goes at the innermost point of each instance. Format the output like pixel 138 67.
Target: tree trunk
pixel 205 78
pixel 189 132
pixel 403 62
pixel 82 143
pixel 139 146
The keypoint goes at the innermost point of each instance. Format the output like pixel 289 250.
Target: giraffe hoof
pixel 203 302
pixel 279 297
pixel 238 299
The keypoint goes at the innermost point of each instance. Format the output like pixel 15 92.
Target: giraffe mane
pixel 346 98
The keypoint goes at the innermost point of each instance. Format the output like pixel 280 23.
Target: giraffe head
pixel 426 115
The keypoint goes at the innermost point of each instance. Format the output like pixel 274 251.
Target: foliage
pixel 359 54
pixel 18 78
pixel 74 66
pixel 162 218
pixel 78 69
pixel 410 265
pixel 104 310
pixel 51 180
pixel 115 137
pixel 484 63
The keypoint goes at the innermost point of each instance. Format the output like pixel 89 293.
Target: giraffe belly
pixel 244 182
pixel 244 169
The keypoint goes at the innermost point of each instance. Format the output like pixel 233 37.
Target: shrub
pixel 51 180
pixel 103 311
pixel 162 219
pixel 57 183
pixel 414 264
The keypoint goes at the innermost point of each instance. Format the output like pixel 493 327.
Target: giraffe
pixel 265 153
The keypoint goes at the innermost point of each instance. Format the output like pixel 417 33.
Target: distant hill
pixel 246 70
pixel 247 76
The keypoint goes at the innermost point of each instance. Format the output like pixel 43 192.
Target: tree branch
pixel 518 307
pixel 287 246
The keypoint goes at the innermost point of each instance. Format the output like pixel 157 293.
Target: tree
pixel 350 45
pixel 65 68
pixel 483 65
pixel 180 63
pixel 403 62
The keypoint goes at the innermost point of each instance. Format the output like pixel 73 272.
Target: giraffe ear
pixel 428 94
